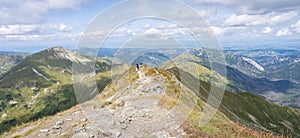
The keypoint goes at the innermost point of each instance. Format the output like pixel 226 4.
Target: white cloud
pixel 207 11
pixel 32 11
pixel 255 20
pixel 61 27
pixel 254 6
pixel 227 30
pixel 63 4
pixel 147 26
pixel 124 32
pixel 267 30
pixel 219 30
pixel 296 27
pixel 94 34
pixel 168 26
pixel 283 17
pixel 152 33
pixel 43 37
pixel 165 32
pixel 284 32
pixel 23 37
pixel 18 29
pixel 222 2
pixel 36 32
pixel 120 32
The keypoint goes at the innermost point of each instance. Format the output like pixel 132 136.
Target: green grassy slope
pixel 39 86
pixel 249 109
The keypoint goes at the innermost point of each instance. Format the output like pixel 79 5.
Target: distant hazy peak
pixel 58 48
pixel 63 53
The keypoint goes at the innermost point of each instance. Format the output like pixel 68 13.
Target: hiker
pixel 137 67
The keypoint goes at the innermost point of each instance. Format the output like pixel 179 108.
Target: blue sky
pixel 33 25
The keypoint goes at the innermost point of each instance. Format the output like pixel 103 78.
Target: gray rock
pixel 122 121
pixel 80 129
pixel 81 135
pixel 44 130
pixel 56 127
pixel 92 136
pixel 68 119
pixel 83 119
pixel 59 122
pixel 63 134
pixel 161 134
pixel 118 133
pixel 124 126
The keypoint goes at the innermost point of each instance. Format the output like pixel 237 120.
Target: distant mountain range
pixel 285 67
pixel 271 73
pixel 278 63
pixel 242 63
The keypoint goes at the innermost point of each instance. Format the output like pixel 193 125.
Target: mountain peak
pixel 58 49
pixel 64 53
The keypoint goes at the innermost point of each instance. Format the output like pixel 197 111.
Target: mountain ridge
pixel 123 111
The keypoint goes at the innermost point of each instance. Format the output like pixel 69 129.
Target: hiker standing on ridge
pixel 137 67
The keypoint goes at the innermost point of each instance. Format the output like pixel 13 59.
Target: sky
pixel 33 25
